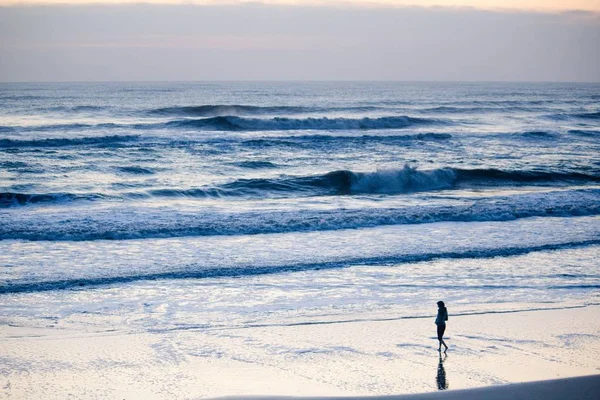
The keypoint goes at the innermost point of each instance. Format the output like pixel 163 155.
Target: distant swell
pixel 63 142
pixel 303 141
pixel 70 127
pixel 220 110
pixel 233 123
pixel 76 109
pixel 491 108
pixel 236 123
pixel 223 109
pixel 539 135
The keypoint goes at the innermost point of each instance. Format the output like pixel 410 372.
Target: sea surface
pixel 158 206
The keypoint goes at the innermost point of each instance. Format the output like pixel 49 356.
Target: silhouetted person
pixel 440 379
pixel 440 321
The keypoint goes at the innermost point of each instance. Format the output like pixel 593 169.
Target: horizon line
pixel 299 81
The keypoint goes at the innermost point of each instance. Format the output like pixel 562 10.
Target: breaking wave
pixel 344 182
pixel 404 180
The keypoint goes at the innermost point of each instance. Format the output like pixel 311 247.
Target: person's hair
pixel 442 305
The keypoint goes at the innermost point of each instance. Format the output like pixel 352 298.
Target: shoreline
pixel 87 356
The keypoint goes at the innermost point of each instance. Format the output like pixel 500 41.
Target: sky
pixel 546 5
pixel 496 40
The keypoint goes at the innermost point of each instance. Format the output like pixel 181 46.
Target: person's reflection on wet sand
pixel 442 383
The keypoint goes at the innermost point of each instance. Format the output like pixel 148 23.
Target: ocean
pixel 161 206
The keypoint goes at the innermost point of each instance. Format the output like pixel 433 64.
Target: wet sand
pixel 363 358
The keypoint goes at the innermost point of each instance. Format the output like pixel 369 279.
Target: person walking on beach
pixel 440 321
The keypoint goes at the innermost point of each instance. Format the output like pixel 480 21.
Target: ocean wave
pixel 584 132
pixel 315 138
pixel 539 135
pixel 456 110
pixel 508 102
pixel 6 129
pixel 491 108
pixel 397 181
pixel 255 164
pixel 343 182
pixel 562 117
pixel 13 165
pixel 64 142
pixel 86 108
pixel 120 221
pixel 224 110
pixel 9 199
pixel 394 181
pixel 592 115
pixel 173 193
pixel 202 272
pixel 135 170
pixel 495 177
pixel 304 141
pixel 221 110
pixel 22 97
pixel 310 142
pixel 76 126
pixel 233 123
pixel 74 109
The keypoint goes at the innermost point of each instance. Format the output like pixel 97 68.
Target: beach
pixel 181 240
pixel 343 358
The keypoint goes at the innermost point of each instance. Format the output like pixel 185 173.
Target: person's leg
pixel 441 337
pixel 440 334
